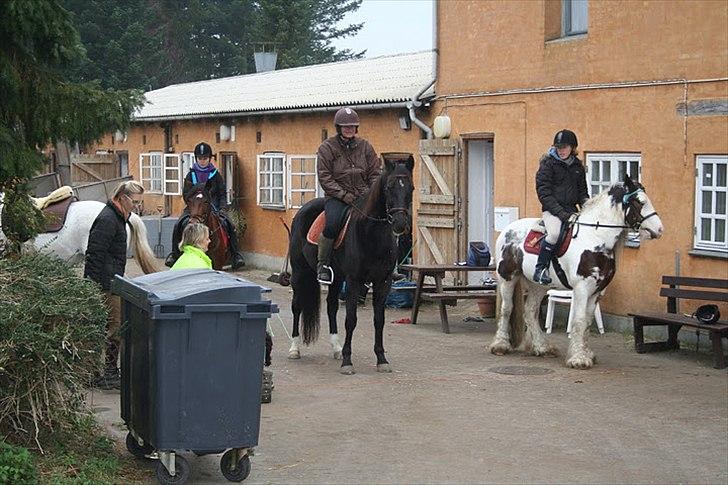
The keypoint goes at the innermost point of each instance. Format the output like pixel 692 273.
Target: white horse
pixel 71 241
pixel 589 266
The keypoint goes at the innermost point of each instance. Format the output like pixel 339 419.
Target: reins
pixel 626 199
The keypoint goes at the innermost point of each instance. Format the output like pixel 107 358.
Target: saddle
pixel 536 235
pixel 55 207
pixel 318 227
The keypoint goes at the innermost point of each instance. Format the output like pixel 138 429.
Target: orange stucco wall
pixel 298 134
pixel 486 47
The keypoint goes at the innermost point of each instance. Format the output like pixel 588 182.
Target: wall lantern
pixel 442 126
pixel 120 136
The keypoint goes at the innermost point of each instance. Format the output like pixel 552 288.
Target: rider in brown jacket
pixel 347 167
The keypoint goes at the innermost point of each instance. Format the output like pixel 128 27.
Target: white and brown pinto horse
pixel 588 264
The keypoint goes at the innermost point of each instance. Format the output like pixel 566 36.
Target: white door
pixel 480 196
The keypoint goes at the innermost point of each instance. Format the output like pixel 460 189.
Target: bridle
pixel 632 208
pixel 390 211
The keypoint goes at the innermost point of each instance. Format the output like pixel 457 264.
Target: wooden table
pixel 445 295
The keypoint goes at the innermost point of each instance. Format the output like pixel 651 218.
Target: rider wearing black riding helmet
pixel 561 187
pixel 203 171
pixel 347 167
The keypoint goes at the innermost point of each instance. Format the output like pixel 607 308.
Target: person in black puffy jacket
pixel 106 257
pixel 562 190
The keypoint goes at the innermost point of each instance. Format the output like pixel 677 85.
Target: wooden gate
pixel 93 168
pixel 439 220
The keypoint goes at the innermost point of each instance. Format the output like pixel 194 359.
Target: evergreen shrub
pixel 52 333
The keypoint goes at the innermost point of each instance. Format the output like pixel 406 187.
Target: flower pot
pixel 486 306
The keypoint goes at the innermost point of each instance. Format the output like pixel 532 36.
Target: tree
pixel 39 105
pixel 149 44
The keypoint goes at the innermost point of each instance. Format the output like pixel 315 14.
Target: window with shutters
pixel 150 172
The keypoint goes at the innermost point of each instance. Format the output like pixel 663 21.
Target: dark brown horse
pixel 368 254
pixel 198 203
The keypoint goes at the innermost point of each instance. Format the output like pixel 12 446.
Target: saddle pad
pixel 532 244
pixel 318 227
pixel 56 196
pixel 55 214
pixel 539 226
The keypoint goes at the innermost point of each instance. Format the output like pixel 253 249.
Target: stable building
pixel 265 129
pixel 643 84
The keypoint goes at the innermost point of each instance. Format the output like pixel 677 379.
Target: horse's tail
pixel 517 324
pixel 308 300
pixel 142 251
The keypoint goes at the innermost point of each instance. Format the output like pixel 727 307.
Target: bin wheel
pixel 182 472
pixel 241 471
pixel 139 451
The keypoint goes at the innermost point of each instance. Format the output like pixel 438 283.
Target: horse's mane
pixel 598 199
pixel 371 198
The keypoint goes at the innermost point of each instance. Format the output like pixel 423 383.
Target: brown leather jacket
pixel 346 171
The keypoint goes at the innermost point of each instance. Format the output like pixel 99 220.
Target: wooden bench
pixel 674 289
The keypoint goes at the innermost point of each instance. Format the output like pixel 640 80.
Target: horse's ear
pixel 410 163
pixel 629 183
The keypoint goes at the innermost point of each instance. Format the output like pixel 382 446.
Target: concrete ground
pixel 447 415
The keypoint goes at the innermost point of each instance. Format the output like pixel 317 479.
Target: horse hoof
pixel 294 354
pixel 500 348
pixel 337 355
pixel 580 362
pixel 347 370
pixel 384 368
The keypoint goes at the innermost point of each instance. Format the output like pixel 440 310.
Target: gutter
pixel 233 114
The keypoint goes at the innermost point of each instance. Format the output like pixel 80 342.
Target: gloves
pixel 348 198
pixel 572 218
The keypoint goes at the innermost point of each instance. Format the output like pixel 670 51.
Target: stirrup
pixel 325 271
pixel 542 276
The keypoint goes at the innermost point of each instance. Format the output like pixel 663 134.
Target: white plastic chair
pixel 564 296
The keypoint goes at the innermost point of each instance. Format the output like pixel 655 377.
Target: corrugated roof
pixel 386 79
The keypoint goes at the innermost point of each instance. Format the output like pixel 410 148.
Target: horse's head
pixel 197 199
pixel 398 188
pixel 639 213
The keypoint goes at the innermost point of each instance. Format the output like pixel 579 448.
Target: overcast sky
pixel 390 27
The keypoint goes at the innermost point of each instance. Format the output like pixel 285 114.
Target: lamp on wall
pixel 227 132
pixel 404 122
pixel 120 136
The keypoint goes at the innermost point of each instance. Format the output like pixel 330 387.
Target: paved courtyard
pixel 448 415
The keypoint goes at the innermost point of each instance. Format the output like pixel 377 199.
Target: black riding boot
pixel 541 274
pixel 325 273
pixel 236 259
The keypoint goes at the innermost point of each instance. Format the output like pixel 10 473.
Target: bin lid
pixel 187 287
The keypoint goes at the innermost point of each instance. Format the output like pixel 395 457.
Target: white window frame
pixel 153 183
pixel 172 174
pixel 186 160
pixel 315 187
pixel 270 189
pixel 571 9
pixel 715 192
pixel 619 163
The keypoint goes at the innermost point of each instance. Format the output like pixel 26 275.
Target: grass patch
pixel 86 456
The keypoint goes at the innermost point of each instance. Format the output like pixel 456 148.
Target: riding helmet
pixel 202 149
pixel 346 117
pixel 707 313
pixel 566 137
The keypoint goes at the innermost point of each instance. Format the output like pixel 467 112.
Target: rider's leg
pixel 176 238
pixel 236 259
pixel 335 210
pixel 553 228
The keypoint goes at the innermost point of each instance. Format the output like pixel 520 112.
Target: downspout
pixel 415 102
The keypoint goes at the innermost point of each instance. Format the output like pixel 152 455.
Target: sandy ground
pixel 446 415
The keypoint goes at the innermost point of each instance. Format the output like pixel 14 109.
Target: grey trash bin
pixel 192 351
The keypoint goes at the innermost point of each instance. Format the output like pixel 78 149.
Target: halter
pixel 390 211
pixel 627 208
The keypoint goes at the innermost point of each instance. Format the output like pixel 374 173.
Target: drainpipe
pixel 416 103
